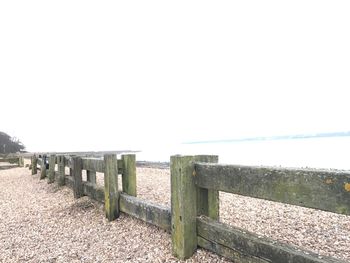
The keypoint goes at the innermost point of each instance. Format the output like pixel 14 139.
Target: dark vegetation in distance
pixel 10 144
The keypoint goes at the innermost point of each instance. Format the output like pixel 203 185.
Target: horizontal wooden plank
pixel 321 189
pixel 94 192
pixel 152 213
pixel 243 246
pixel 91 190
pixel 97 165
pixel 232 254
pixel 93 164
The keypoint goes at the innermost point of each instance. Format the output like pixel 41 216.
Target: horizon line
pixel 273 138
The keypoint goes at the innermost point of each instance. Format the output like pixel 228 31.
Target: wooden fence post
pixel 78 190
pixel 184 208
pixel 43 167
pixel 91 176
pixel 20 161
pixel 34 164
pixel 52 164
pixel 61 171
pixel 129 174
pixel 69 159
pixel 207 199
pixel 111 187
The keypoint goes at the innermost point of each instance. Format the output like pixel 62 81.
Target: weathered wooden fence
pixel 194 213
pixel 115 201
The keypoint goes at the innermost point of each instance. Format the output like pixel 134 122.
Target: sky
pixel 109 75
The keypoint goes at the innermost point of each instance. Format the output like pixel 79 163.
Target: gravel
pixel 43 223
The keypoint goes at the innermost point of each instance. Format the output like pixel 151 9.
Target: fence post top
pixel 128 154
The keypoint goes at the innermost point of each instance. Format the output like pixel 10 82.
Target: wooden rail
pixel 320 189
pixel 152 213
pixel 242 246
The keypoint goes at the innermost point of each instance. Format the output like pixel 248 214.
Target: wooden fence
pixel 194 213
pixel 115 201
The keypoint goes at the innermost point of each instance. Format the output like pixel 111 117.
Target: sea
pixel 319 152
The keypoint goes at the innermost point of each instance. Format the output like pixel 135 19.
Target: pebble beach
pixel 41 222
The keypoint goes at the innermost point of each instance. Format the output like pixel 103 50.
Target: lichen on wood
pixel 111 187
pixel 320 189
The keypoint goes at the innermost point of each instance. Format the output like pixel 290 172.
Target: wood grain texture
pixel 34 165
pixel 320 189
pixel 43 168
pixel 61 170
pixel 111 187
pixel 93 164
pixel 91 176
pixel 184 209
pixel 129 174
pixel 51 173
pixel 151 213
pixel 78 190
pixel 242 246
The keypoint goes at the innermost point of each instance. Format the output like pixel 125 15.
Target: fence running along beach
pixel 193 218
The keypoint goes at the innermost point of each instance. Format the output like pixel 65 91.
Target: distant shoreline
pixel 152 164
pixel 273 138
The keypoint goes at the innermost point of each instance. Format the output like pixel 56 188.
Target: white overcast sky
pixel 109 75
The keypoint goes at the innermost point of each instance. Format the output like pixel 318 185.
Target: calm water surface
pixel 332 152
